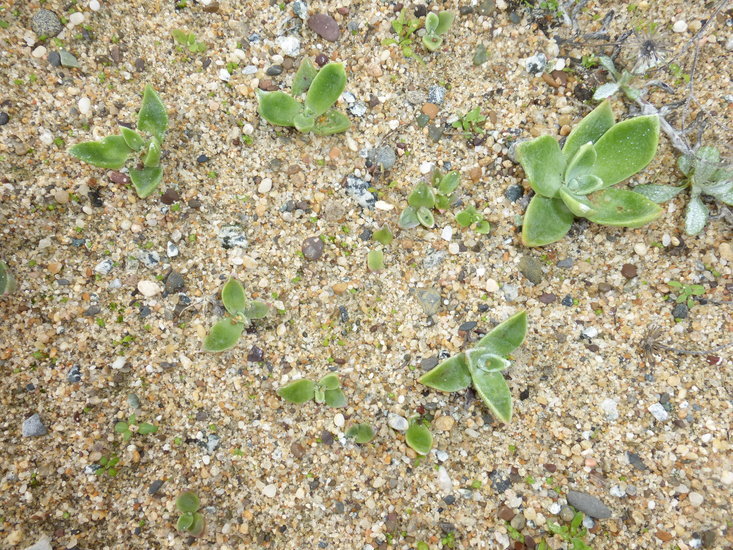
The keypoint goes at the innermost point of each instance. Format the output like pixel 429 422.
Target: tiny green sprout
pixel 705 175
pixel 327 390
pixel 621 81
pixel 383 236
pixel 142 428
pixel 470 216
pixel 7 281
pixel 225 334
pixel 188 40
pixel 418 437
pixel 315 114
pixel 471 123
pixel 404 28
pixel 435 26
pixel 578 180
pixel 686 292
pixel 108 466
pixel 190 521
pixel 482 366
pixel 573 533
pixel 422 546
pixel 375 260
pixel 113 151
pixel 360 433
pixel 425 197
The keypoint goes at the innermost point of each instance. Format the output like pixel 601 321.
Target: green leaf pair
pixel 188 39
pixel 620 82
pixel 471 123
pixel 360 433
pixel 225 334
pixel 190 521
pixel 418 437
pixel 327 390
pixel 577 180
pixel 482 366
pixel 435 26
pixel 113 151
pixel 425 197
pixel 7 281
pixel 315 114
pixel 705 175
pixel 142 428
pixel 470 216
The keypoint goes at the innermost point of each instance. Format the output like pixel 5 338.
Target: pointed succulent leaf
pixel 303 77
pixel 319 395
pixel 152 117
pixel 7 281
pixel 685 164
pixel 706 163
pixel 494 391
pixel 506 336
pixel 485 359
pixel 256 310
pixel 543 163
pixel 122 427
pixel 419 438
pixel 185 521
pixel 303 122
pixel 696 216
pixel 584 185
pixel 234 297
pixel 483 227
pixel 445 20
pixel 622 208
pixel 607 63
pixel 330 382
pixel 383 236
pixel 145 428
pixel 110 152
pixel 278 108
pixel 545 221
pixel 605 90
pixel 198 526
pixel 299 391
pixel 224 335
pixel 449 182
pixel 182 37
pixel 577 204
pixel 467 216
pixel 632 93
pixel 333 122
pixel 659 193
pixel 450 375
pixel 360 433
pixel 188 502
pixel 335 398
pixel 591 128
pixel 442 202
pixel 425 217
pixel 432 41
pixel 581 163
pixel 431 22
pixel 436 177
pixel 408 218
pixel 422 195
pixel 722 191
pixel 146 180
pixel 132 139
pixel 626 149
pixel 326 88
pixel 375 260
pixel 152 156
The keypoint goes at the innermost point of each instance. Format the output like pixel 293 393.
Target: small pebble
pixel 324 26
pixel 148 288
pixel 85 105
pixel 269 490
pixel 46 23
pixel 289 45
pixel 629 271
pixel 679 26
pixel 33 427
pixel 397 422
pixel 658 411
pixel 312 248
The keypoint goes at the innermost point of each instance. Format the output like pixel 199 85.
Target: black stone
pixel 514 193
pixel 54 58
pixel 274 70
pixel 155 486
pixel 255 355
pixel 680 311
pixel 202 158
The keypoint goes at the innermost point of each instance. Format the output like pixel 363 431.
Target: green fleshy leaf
pixel 421 196
pixel 696 216
pixel 626 149
pixel 605 90
pixel 110 152
pixel 584 185
pixel 7 281
pixel 335 398
pixel 319 395
pixel 383 236
pixel 685 164
pixel 152 156
pixel 622 208
pixel 483 227
pixel 494 391
pixel 152 117
pixel 432 41
pixel 146 428
pixel 608 64
pixel 591 128
pixel 543 163
pixel 545 221
pixel 278 108
pixel 506 336
pixel 146 180
pixel 485 359
pixel 333 122
pixel 303 77
pixel 360 433
pixel 467 216
pixel 582 163
pixel 122 427
pixel 431 22
pixel 185 522
pixel 224 335
pixel 304 123
pixel 706 164
pixel 375 260
pixel 419 438
pixel 233 297
pixel 325 89
pixel 449 182
pixel 256 310
pixel 188 502
pixel 577 204
pixel 722 191
pixel 659 193
pixel 445 20
pixel 449 376
pixel 425 217
pixel 408 218
pixel 299 391
pixel 199 524
pixel 330 382
pixel 132 139
pixel 442 202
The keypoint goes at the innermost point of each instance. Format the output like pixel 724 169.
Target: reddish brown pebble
pixel 324 26
pixel 546 298
pixel 629 271
pixel 560 76
pixel 321 59
pixel 267 85
pixel 118 177
pixel 170 196
pixel 430 109
pixel 549 80
pixel 505 513
pixel 550 468
pixel 663 536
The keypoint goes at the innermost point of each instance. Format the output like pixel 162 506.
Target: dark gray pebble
pixel 54 58
pixel 588 504
pixel 312 248
pixel 324 26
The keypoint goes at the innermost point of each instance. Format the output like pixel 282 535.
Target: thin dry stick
pixel 650 343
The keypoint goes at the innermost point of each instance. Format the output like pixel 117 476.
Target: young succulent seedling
pixel 242 311
pixel 620 82
pixel 481 367
pixel 436 24
pixel 578 180
pixel 188 40
pixel 375 260
pixel 113 151
pixel 418 437
pixel 425 197
pixel 315 114
pixel 327 390
pixel 471 123
pixel 705 176
pixel 142 427
pixel 7 281
pixel 383 235
pixel 190 521
pixel 573 533
pixel 108 466
pixel 469 216
pixel 686 293
pixel 360 433
pixel 404 27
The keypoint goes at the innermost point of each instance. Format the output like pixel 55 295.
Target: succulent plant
pixel 578 180
pixel 315 114
pixel 621 82
pixel 7 281
pixel 190 521
pixel 435 26
pixel 113 151
pixel 418 437
pixel 242 311
pixel 481 367
pixel 327 390
pixel 188 40
pixel 143 428
pixel 360 433
pixel 425 197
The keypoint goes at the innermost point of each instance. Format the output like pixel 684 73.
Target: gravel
pixel 588 504
pixel 46 23
pixel 33 426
